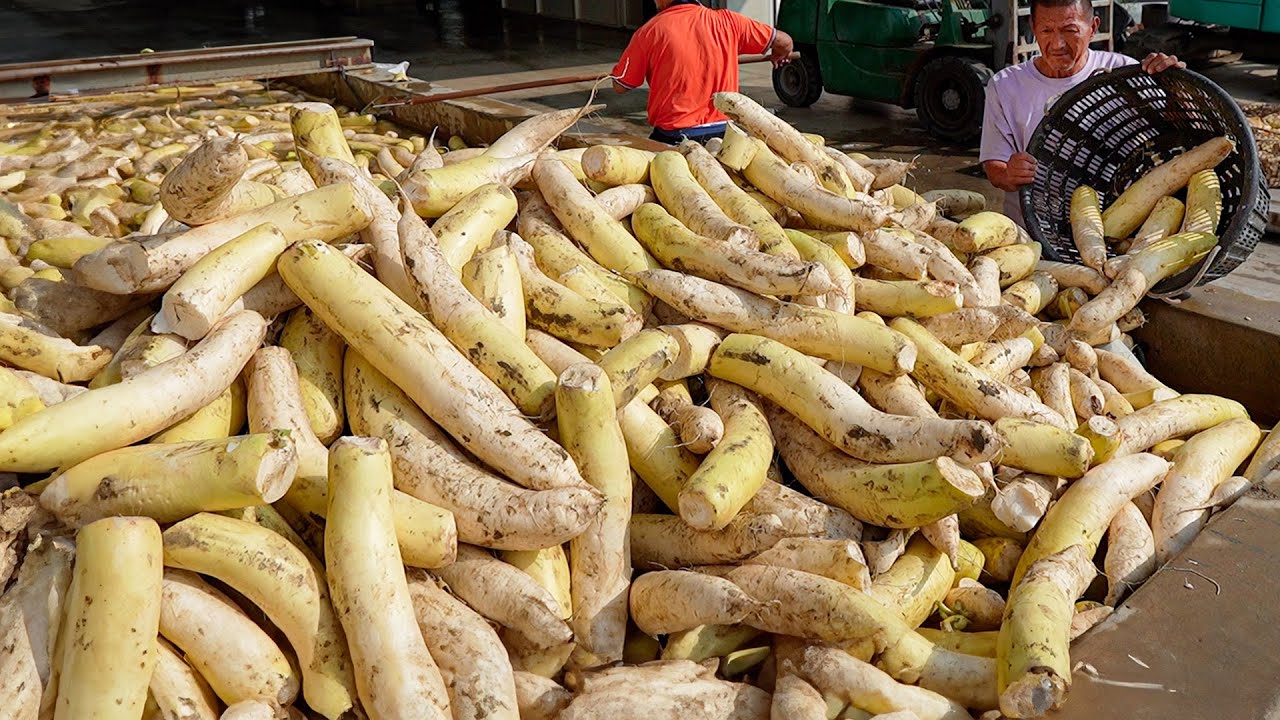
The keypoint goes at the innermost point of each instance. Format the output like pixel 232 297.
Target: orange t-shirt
pixel 688 53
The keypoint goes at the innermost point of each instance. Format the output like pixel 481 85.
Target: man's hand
pixel 1011 175
pixel 1020 170
pixel 1159 62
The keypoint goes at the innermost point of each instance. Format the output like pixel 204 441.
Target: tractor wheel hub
pixel 951 99
pixel 791 79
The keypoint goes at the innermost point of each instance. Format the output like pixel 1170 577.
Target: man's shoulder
pixel 1012 75
pixel 1111 60
pixel 1026 70
pixel 678 15
pixel 654 30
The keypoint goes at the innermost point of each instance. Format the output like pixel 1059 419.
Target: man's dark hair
pixel 1085 6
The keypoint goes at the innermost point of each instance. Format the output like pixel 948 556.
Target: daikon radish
pixel 325 214
pixel 814 331
pixel 732 473
pixel 1082 514
pixel 876 494
pixel 586 221
pixel 841 416
pixel 204 293
pixel 112 615
pixel 469 653
pixel 790 144
pixel 1133 206
pixel 1086 227
pixel 395 675
pixel 692 205
pixel 947 374
pixel 171 481
pixel 414 355
pixel 1033 663
pixel 118 415
pixel 1131 553
pixel 475 330
pixel 278 578
pixel 240 661
pixel 1207 460
pixel 600 558
pixel 1159 260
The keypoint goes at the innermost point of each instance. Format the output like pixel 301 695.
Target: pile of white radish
pixel 307 419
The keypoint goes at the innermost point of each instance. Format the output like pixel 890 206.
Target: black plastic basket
pixel 1110 129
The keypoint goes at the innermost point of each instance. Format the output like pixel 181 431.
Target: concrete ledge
pixel 1204 627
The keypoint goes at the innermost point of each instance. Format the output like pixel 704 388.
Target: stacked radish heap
pixel 315 420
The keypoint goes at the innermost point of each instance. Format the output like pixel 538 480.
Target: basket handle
pixel 1175 296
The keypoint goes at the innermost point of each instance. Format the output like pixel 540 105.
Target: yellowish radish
pixel 395 675
pixel 787 378
pixel 600 568
pixel 414 355
pixel 278 578
pixel 1133 206
pixel 112 615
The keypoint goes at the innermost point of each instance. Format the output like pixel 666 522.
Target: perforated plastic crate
pixel 1109 130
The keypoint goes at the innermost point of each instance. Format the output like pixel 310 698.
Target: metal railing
pixel 63 78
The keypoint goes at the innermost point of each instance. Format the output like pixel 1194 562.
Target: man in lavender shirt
pixel 1018 96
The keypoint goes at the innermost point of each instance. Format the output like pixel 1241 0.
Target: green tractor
pixel 932 55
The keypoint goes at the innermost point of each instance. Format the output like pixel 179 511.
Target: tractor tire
pixel 950 94
pixel 799 82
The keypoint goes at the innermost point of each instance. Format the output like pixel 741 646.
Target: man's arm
pixel 1006 168
pixel 632 67
pixel 757 38
pixel 782 47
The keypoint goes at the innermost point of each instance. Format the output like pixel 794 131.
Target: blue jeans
pixel 699 135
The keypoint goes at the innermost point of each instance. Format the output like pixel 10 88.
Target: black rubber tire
pixel 950 93
pixel 799 82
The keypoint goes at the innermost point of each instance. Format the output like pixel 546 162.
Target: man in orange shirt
pixel 687 53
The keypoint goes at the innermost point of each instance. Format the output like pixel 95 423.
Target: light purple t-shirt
pixel 1017 98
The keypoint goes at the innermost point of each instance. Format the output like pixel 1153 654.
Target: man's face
pixel 1064 34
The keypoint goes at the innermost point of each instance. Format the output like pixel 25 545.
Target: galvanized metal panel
pixel 558 9
pixel 20 81
pixel 600 12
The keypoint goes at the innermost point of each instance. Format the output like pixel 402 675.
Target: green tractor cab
pixel 932 55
